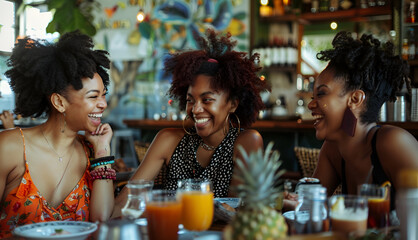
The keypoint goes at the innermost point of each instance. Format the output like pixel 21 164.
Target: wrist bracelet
pixel 102 159
pixel 101 163
pixel 103 173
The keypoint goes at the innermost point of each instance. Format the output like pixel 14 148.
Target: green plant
pixel 70 15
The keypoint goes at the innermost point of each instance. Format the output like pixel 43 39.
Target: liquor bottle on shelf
pixel 410 16
pixel 333 5
pixel 315 6
pixel 411 44
pixel 324 5
pixel 405 49
pixel 306 6
pixel 346 4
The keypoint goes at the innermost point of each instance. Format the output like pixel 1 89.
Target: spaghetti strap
pixel 24 145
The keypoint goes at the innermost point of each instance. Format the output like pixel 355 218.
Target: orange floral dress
pixel 25 204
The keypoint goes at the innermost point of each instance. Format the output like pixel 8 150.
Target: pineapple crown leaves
pixel 258 175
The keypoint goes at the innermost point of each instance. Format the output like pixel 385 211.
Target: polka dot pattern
pixel 183 163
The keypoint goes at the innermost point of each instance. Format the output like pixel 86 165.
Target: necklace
pixel 207 147
pixel 65 170
pixel 50 146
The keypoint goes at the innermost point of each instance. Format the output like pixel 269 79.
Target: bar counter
pixel 297 125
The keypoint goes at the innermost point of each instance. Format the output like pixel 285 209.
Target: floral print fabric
pixel 25 204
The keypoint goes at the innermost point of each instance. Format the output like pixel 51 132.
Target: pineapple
pixel 258 175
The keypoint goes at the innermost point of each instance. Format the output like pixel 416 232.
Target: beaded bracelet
pixel 103 173
pixel 102 159
pixel 101 163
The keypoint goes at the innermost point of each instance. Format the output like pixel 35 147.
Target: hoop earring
pixel 184 128
pixel 65 123
pixel 227 121
pixel 238 122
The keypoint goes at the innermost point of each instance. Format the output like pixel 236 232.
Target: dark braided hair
pixel 39 68
pixel 235 74
pixel 364 64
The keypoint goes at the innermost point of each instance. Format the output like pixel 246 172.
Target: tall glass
pixel 379 204
pixel 348 214
pixel 197 199
pixel 135 205
pixel 163 214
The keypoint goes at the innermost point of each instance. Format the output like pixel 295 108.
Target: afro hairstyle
pixel 365 64
pixel 39 68
pixel 235 74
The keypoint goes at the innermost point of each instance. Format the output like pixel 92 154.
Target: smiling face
pixel 328 105
pixel 87 104
pixel 208 107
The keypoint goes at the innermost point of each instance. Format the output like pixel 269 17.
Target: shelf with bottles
pixel 316 11
pixel 353 14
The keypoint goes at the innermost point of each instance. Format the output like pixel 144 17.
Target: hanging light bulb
pixel 140 16
pixel 264 2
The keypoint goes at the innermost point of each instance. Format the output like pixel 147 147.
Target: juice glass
pixel 379 204
pixel 163 210
pixel 348 214
pixel 197 201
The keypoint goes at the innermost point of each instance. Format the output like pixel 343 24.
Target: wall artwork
pixel 137 49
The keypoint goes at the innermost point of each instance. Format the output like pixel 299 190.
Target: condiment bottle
pixel 318 214
pixel 407 203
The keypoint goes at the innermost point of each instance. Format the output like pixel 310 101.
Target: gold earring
pixel 65 123
pixel 238 121
pixel 184 128
pixel 227 121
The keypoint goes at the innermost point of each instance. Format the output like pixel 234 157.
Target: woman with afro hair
pixel 46 173
pixel 220 91
pixel 361 75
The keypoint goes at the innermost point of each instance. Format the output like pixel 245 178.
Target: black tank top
pixel 379 175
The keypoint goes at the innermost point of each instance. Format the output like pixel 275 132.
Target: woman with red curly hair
pixel 220 91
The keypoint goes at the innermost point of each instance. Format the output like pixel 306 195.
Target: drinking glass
pixel 163 214
pixel 348 214
pixel 197 200
pixel 135 205
pixel 379 204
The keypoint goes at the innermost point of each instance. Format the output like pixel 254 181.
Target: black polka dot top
pixel 183 163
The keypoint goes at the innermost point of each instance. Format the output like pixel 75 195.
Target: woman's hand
pixel 7 118
pixel 100 139
pixel 290 201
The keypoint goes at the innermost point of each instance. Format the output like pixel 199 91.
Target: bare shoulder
pixel 394 142
pixel 11 143
pixel 389 134
pixel 250 139
pixel 170 134
pixel 168 140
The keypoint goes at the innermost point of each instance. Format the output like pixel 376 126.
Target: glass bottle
pixel 306 6
pixel 405 49
pixel 318 214
pixel 410 16
pixel 407 203
pixel 301 211
pixel 411 44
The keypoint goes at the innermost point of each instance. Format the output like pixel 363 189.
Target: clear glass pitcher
pixel 137 191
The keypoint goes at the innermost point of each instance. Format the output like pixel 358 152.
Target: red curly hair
pixel 236 74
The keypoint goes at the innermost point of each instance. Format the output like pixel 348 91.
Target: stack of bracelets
pixel 99 170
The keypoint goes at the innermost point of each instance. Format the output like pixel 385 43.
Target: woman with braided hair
pixel 220 91
pixel 361 75
pixel 46 173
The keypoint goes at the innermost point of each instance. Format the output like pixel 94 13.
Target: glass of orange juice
pixel 163 210
pixel 197 201
pixel 379 204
